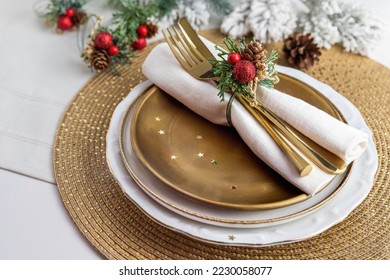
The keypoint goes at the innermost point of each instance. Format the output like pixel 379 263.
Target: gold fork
pixel 193 55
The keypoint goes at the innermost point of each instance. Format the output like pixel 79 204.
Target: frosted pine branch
pixel 320 21
pixel 359 29
pixel 271 20
pixel 333 21
pixel 234 24
pixel 196 13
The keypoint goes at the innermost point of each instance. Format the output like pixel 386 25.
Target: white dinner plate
pixel 356 187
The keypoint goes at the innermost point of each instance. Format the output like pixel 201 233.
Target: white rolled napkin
pixel 162 68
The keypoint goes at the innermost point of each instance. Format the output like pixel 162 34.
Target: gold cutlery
pixel 194 56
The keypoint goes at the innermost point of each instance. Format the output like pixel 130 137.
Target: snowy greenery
pixel 328 21
pixel 197 12
pixel 268 20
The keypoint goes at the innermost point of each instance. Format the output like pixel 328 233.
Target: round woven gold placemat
pixel 119 230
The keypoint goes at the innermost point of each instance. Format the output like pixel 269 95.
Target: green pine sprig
pixel 165 6
pixel 224 70
pixel 271 79
pixel 131 15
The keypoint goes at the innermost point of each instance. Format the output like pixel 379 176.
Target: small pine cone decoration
pixel 261 74
pixel 79 18
pixel 89 50
pixel 152 29
pixel 100 60
pixel 255 53
pixel 300 50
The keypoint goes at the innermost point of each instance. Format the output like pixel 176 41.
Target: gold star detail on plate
pixel 200 155
pixel 161 132
pixel 173 157
pixel 199 137
pixel 157 119
pixel 232 237
pixel 214 162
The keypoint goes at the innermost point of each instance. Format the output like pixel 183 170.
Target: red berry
pixel 103 40
pixel 233 58
pixel 244 71
pixel 64 22
pixel 70 12
pixel 139 44
pixel 113 50
pixel 142 30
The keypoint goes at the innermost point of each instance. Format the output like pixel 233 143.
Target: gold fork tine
pixel 190 45
pixel 186 45
pixel 180 48
pixel 179 58
pixel 193 37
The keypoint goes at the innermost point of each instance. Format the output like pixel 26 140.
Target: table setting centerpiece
pixel 172 171
pixel 166 161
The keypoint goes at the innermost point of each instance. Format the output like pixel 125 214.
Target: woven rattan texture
pixel 119 230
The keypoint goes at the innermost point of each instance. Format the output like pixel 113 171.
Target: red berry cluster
pixel 104 40
pixel 65 21
pixel 243 70
pixel 142 32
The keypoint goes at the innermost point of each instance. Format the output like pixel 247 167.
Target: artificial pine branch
pixel 234 24
pixel 334 21
pixel 220 7
pixel 359 29
pixel 131 15
pixel 271 20
pixel 224 70
pixel 165 6
pixel 196 13
pixel 320 21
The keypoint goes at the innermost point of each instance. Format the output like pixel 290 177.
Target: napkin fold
pixel 201 97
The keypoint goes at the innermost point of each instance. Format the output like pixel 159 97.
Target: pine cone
pixel 90 47
pixel 100 60
pixel 261 74
pixel 88 51
pixel 152 29
pixel 300 50
pixel 79 18
pixel 255 53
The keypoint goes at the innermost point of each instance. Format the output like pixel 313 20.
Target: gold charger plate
pixel 209 162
